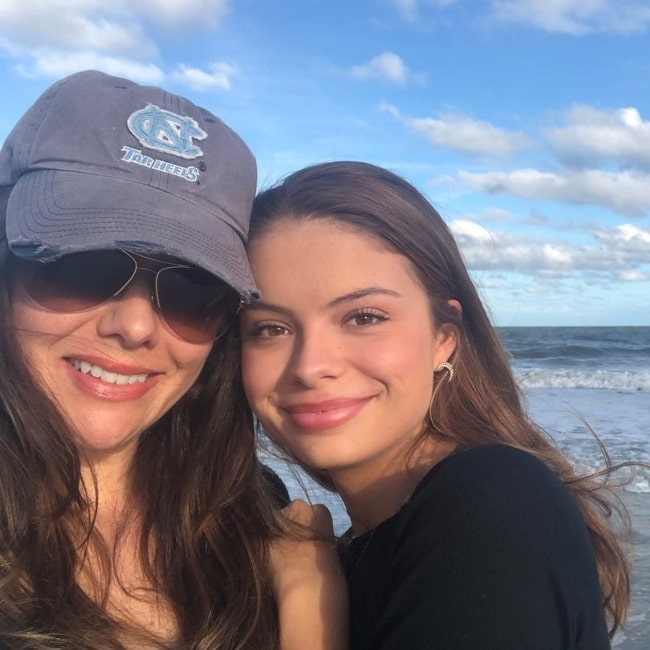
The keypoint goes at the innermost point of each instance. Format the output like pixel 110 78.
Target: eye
pixel 365 317
pixel 268 330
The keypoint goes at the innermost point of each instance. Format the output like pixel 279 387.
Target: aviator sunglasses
pixel 192 303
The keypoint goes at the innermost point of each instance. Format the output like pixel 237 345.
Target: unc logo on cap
pixel 165 131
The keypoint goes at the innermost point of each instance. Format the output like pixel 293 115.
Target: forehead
pixel 328 228
pixel 324 252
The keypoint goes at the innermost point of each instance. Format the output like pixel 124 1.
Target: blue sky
pixel 525 122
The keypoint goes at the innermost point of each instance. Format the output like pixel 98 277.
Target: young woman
pixel 371 360
pixel 133 513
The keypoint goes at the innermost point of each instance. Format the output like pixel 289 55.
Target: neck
pixel 375 492
pixel 107 478
pixel 115 574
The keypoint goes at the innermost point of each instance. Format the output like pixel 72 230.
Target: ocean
pixel 572 375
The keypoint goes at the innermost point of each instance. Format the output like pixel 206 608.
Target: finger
pixel 316 517
pixel 322 519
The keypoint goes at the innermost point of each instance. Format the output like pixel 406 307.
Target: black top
pixel 490 553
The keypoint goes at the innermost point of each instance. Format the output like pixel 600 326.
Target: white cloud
pixel 621 253
pixel 463 134
pixel 633 276
pixel 387 65
pixel 626 237
pixel 504 252
pixel 626 192
pixel 45 64
pixel 60 26
pixel 496 215
pixel 591 136
pixel 218 76
pixel 471 231
pixel 409 9
pixel 576 16
pixel 54 38
pixel 174 13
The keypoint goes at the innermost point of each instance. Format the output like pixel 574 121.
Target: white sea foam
pixel 627 380
pixel 642 487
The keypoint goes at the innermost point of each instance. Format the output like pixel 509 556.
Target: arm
pixel 309 585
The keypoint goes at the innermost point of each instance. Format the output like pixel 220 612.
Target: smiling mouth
pixel 326 415
pixel 104 375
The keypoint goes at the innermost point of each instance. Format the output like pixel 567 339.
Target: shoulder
pixel 499 462
pixel 494 471
pixel 494 492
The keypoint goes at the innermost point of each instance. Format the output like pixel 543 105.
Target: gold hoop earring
pixel 449 367
pixel 431 422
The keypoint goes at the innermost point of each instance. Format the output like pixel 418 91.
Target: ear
pixel 446 338
pixel 455 304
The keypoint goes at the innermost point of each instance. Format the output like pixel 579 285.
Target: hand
pixel 308 582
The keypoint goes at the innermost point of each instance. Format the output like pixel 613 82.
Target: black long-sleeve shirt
pixel 490 553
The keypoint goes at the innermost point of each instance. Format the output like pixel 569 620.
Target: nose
pixel 131 316
pixel 316 356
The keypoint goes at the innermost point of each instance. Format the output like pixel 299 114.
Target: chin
pixel 325 462
pixel 104 442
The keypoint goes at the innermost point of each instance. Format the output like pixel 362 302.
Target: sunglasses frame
pixel 154 295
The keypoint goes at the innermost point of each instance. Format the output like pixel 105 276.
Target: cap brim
pixel 53 213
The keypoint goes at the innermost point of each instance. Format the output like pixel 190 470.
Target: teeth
pixel 104 375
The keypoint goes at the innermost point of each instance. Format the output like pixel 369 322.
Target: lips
pixel 102 374
pixel 318 416
pixel 107 380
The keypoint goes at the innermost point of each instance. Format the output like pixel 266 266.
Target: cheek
pixel 261 370
pixel 405 370
pixel 36 333
pixel 35 325
pixel 405 358
pixel 189 358
pixel 27 319
pixel 254 377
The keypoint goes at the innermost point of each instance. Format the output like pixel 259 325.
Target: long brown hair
pixel 198 493
pixel 484 403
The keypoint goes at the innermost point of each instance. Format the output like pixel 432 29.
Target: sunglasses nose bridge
pixel 154 298
pixel 153 285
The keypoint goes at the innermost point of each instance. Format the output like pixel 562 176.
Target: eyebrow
pixel 362 293
pixel 348 297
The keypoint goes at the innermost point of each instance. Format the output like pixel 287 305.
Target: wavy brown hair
pixel 484 403
pixel 206 519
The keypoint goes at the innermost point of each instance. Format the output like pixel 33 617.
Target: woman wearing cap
pixel 132 510
pixel 371 360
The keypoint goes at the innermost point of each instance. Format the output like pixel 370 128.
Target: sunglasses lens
pixel 78 281
pixel 194 305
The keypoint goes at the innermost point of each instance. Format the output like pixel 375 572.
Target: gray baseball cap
pixel 100 162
